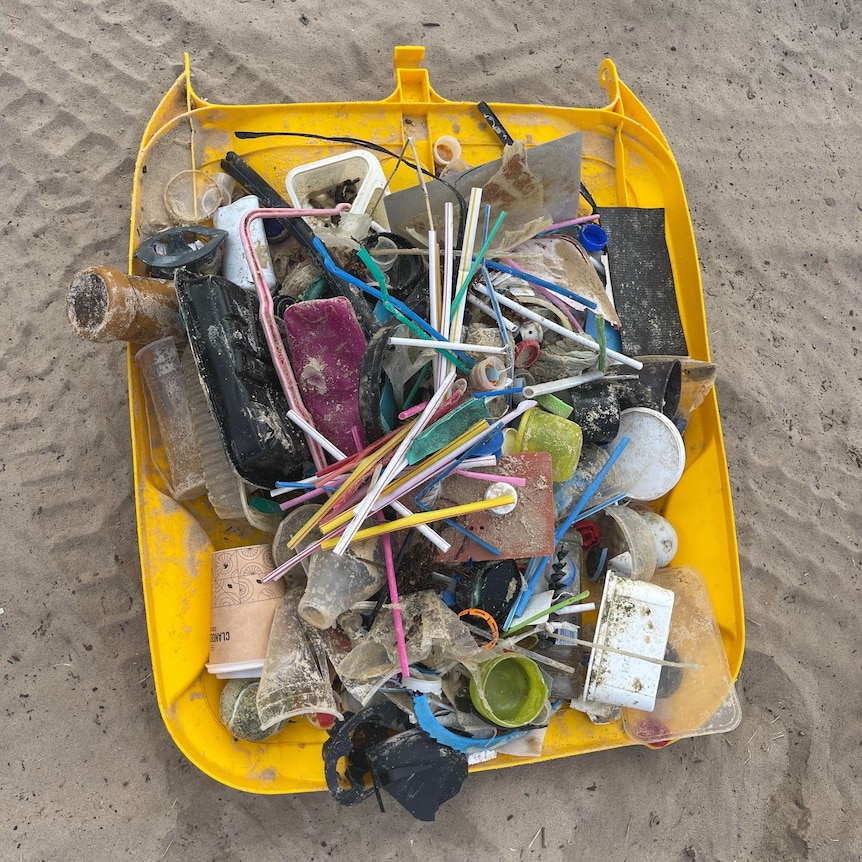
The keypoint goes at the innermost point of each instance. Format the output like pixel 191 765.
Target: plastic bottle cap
pixel 502 489
pixel 593 237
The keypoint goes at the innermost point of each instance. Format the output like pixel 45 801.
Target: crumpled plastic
pixel 433 634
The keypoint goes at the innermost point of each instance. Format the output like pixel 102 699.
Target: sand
pixel 761 105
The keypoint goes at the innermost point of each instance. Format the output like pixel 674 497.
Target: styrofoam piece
pixel 654 459
pixel 235 266
pixel 307 181
pixel 634 616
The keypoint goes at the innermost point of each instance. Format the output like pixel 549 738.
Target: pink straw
pixel 572 222
pixel 516 481
pixel 267 315
pixel 396 605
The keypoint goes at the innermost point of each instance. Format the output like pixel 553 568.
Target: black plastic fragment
pixel 168 250
pixel 242 389
pixel 351 739
pixel 417 772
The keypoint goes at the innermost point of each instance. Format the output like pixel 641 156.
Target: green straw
pixel 378 276
pixel 552 609
pixel 477 262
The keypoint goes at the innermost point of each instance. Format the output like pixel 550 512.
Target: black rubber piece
pixel 168 250
pixel 350 739
pixel 642 278
pixel 242 389
pixel 496 126
pixel 371 381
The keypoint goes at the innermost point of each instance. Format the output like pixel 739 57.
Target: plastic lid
pixel 654 459
pixel 593 237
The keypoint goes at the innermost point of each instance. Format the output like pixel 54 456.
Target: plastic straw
pixel 398 341
pixel 465 263
pixel 534 279
pixel 551 610
pixel 516 481
pixel 396 605
pixel 394 466
pixel 493 393
pixel 561 330
pixel 572 222
pixel 315 435
pixel 562 383
pixel 510 325
pixel 416 519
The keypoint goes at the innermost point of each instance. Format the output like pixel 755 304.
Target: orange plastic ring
pixel 492 624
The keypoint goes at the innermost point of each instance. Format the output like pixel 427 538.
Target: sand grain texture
pixel 761 105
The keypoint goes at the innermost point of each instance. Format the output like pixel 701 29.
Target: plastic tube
pixel 561 330
pixel 446 150
pixel 562 383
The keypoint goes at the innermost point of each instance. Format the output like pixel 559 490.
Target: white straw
pixel 433 295
pixel 560 330
pixel 466 261
pixel 398 341
pixel 483 306
pixel 312 432
pixel 561 384
pixel 448 267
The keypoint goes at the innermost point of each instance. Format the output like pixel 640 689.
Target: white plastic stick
pixel 466 261
pixel 483 306
pixel 562 383
pixel 398 341
pixel 315 435
pixel 560 330
pixel 448 268
pixel 434 298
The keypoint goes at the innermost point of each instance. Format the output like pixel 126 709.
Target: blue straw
pixel 494 392
pixel 332 267
pixel 538 563
pixel 548 285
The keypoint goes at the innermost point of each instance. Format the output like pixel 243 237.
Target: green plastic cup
pixel 509 690
pixel 545 432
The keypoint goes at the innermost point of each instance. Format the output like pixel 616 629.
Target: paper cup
pixel 242 610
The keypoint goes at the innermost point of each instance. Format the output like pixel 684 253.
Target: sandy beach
pixel 761 107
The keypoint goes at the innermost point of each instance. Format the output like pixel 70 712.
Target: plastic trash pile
pixel 454 410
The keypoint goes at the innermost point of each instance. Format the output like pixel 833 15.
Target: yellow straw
pixel 347 514
pixel 423 518
pixel 365 466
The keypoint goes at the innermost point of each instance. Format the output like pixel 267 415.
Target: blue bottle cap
pixel 593 237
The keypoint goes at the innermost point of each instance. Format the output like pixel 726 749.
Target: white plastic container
pixel 307 181
pixel 634 616
pixel 235 266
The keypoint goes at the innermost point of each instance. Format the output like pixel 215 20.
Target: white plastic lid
pixel 654 459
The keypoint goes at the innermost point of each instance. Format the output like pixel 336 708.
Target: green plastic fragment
pixel 554 405
pixel 445 430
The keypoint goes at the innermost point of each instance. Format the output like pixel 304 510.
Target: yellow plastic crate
pixel 626 162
